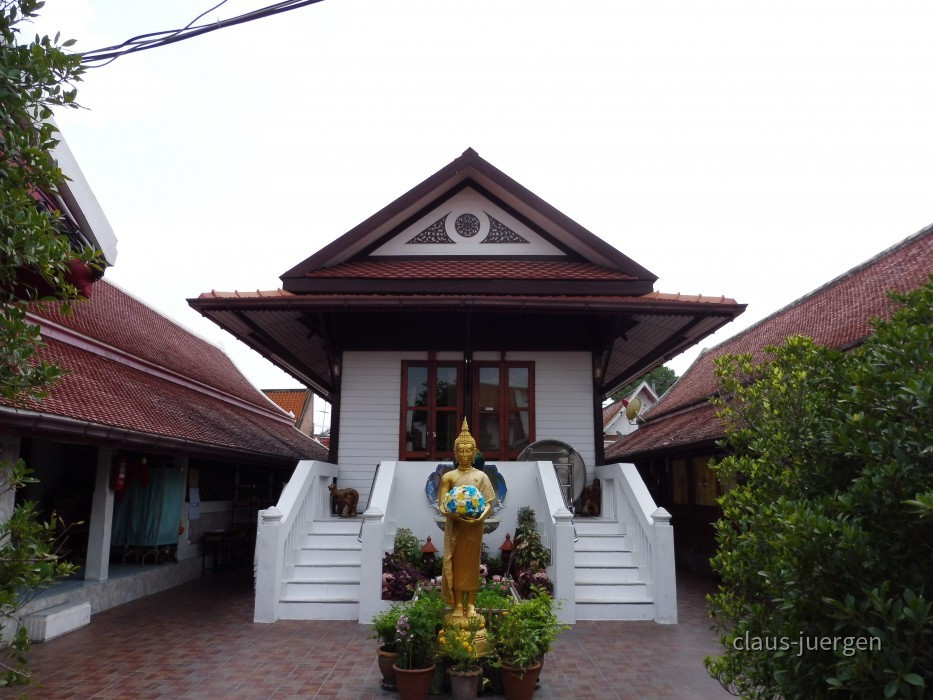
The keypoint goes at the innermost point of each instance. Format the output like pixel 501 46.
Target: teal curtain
pixel 148 516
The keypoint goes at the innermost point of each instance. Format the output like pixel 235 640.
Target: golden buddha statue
pixel 463 537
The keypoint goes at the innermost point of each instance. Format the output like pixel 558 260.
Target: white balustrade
pixel 281 527
pixel 648 528
pixel 558 536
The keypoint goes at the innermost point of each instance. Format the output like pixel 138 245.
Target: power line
pixel 152 40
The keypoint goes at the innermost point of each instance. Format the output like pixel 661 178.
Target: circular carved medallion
pixel 467 225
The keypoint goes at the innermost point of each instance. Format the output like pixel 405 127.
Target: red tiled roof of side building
pixel 696 425
pixel 611 411
pixel 432 268
pixel 115 318
pixel 837 315
pixel 289 400
pixel 102 391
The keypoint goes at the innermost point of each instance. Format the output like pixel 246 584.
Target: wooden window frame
pixel 504 411
pixel 431 453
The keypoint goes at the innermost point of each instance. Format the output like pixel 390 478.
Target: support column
pixel 98 539
pixel 9 453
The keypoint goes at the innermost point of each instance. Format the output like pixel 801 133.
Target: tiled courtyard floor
pixel 198 641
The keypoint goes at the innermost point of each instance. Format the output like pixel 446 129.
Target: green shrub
pixel 823 534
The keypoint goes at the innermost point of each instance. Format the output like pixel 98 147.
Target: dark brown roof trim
pixel 469 160
pixel 351 302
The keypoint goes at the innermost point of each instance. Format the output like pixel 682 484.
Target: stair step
pixel 601 543
pixel 607 574
pixel 587 559
pixel 339 541
pixel 330 556
pixel 597 526
pixel 297 609
pixel 57 620
pixel 345 591
pixel 336 526
pixel 608 610
pixel 636 592
pixel 326 572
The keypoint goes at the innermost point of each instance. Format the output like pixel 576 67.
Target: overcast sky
pixel 752 149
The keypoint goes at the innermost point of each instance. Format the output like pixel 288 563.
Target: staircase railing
pixel 280 529
pixel 648 528
pixel 559 536
pixel 373 534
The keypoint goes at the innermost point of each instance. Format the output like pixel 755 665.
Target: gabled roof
pixel 469 170
pixel 837 315
pixel 470 251
pixel 135 377
pixel 289 400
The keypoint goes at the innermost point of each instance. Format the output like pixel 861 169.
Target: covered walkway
pixel 198 641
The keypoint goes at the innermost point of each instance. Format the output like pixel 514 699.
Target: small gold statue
pixel 463 537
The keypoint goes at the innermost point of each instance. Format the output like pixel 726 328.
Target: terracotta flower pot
pixel 464 685
pixel 386 660
pixel 413 684
pixel 519 683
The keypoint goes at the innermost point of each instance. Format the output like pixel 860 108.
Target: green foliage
pixel 29 561
pixel 522 634
pixel 408 547
pixel 384 623
pixel 660 378
pixel 34 78
pixel 456 645
pixel 825 532
pixel 530 553
pixel 416 630
pixel 494 595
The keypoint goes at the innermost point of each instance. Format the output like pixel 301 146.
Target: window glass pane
pixel 417 386
pixel 416 430
pixel 518 387
pixel 488 399
pixel 518 430
pixel 488 438
pixel 704 486
pixel 446 386
pixel 447 431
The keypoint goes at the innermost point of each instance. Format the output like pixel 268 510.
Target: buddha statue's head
pixel 465 447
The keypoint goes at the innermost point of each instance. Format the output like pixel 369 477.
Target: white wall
pixel 371 390
pixel 370 411
pixel 410 508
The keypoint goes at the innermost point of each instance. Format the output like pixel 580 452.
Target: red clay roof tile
pixel 837 315
pixel 162 380
pixel 431 268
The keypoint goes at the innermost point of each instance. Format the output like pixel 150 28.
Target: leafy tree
pixel 34 266
pixel 826 538
pixel 661 378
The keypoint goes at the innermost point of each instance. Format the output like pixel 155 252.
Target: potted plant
pixel 520 637
pixel 416 644
pixel 384 624
pixel 457 647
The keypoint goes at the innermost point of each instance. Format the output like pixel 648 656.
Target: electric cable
pixel 143 42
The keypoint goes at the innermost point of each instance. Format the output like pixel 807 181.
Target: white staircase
pixel 608 584
pixel 323 583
